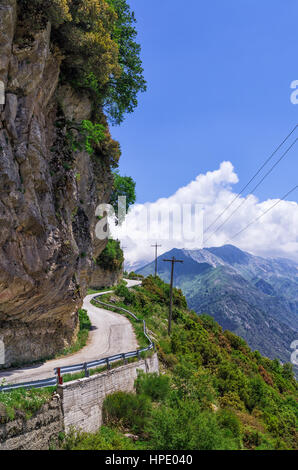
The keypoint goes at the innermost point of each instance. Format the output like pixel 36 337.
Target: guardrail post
pixel 60 377
pixel 108 364
pixel 87 374
pixel 139 355
pixel 124 359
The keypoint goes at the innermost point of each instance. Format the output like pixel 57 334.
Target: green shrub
pixel 193 383
pixel 186 427
pixel 209 323
pixel 228 420
pixel 155 386
pixel 235 341
pixel 126 409
pixel 127 294
pixel 85 322
pixel 111 257
pixel 104 439
pixel 93 134
pixel 231 400
pixel 123 186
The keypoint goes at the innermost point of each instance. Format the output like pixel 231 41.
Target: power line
pixel 260 182
pixel 252 179
pixel 264 213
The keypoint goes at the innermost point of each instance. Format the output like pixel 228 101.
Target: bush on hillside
pixel 126 410
pixel 154 386
pixel 187 427
pixel 111 257
pixel 125 293
pixel 84 320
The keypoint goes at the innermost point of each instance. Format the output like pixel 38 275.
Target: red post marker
pixel 60 377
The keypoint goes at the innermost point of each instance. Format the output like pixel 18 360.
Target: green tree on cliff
pixel 123 186
pixel 97 39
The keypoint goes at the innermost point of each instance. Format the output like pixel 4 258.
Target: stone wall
pixel 82 399
pixel 37 433
pixel 77 403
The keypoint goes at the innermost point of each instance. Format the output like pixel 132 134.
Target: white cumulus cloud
pixel 178 221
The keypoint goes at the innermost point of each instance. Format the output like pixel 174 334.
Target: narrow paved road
pixel 111 334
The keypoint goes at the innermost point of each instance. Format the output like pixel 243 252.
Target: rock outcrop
pixel 48 196
pixel 105 277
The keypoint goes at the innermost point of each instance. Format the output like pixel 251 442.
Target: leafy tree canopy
pixel 123 186
pixel 97 38
pixel 111 257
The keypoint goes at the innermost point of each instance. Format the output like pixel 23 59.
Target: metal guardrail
pixel 118 308
pixel 52 382
pixel 86 366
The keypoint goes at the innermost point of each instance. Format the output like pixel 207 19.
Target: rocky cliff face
pixel 48 196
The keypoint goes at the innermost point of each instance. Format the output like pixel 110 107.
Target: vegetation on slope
pixel 111 258
pixel 96 42
pixel 22 403
pixel 97 39
pixel 82 338
pixel 123 186
pixel 255 298
pixel 215 392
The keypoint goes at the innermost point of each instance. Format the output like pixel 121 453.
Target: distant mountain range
pixel 254 297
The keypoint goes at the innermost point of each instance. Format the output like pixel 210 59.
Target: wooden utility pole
pixel 173 261
pixel 156 246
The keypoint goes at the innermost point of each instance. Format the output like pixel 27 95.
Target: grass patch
pixel 77 346
pixel 24 402
pixel 104 439
pixel 82 338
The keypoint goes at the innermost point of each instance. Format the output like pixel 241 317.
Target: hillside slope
pixel 255 298
pixel 214 392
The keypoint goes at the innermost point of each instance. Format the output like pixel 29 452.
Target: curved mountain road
pixel 111 334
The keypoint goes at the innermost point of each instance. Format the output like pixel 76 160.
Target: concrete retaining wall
pixel 78 404
pixel 82 399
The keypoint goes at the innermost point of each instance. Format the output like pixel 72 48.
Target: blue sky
pixel 219 76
